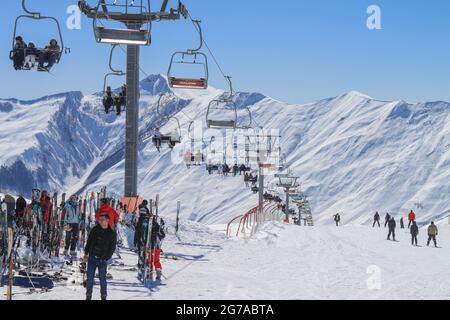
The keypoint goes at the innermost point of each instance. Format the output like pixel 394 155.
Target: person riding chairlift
pixel 19 53
pixel 157 136
pixel 121 100
pixel 108 99
pixel 31 56
pixel 49 55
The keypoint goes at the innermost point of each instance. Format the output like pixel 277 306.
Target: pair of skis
pixel 149 250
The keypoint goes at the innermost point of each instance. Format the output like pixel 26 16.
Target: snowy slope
pixel 280 262
pixel 354 154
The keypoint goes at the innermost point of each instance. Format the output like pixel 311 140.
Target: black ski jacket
pixel 392 225
pixel 101 243
pixel 414 230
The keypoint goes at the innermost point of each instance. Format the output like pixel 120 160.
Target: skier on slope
pixel 432 234
pixel 157 235
pixel 387 218
pixel 411 218
pixel 392 225
pixel 337 219
pixel 100 247
pixel 376 219
pixel 105 208
pixel 414 233
pixel 72 220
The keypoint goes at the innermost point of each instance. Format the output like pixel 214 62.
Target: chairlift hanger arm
pixel 127 18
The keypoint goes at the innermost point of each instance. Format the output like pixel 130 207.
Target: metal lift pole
pixel 132 120
pixel 261 188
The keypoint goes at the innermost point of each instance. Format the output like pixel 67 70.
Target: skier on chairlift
pixel 49 55
pixel 108 99
pixel 19 53
pixel 157 136
pixel 31 56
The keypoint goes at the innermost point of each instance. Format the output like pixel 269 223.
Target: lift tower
pixel 136 17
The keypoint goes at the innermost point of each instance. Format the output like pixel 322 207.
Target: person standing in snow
pixel 414 233
pixel 157 235
pixel 105 208
pixel 100 247
pixel 411 218
pixel 72 221
pixel 376 219
pixel 337 219
pixel 402 223
pixel 387 219
pixel 142 226
pixel 392 225
pixel 432 234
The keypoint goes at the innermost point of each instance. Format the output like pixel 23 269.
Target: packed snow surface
pixel 283 262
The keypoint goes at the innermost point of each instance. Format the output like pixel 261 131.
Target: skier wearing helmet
pixel 49 55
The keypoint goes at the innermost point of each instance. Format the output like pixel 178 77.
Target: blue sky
pixel 293 50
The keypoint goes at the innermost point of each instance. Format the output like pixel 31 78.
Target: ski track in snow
pixel 282 262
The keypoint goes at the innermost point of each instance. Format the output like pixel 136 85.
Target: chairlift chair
pixel 222 112
pixel 191 57
pixel 35 16
pixel 132 15
pixel 173 137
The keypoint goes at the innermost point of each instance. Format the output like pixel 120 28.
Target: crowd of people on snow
pixel 110 100
pixel 26 55
pixel 39 220
pixel 391 225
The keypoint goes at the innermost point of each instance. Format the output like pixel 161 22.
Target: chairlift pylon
pixel 135 17
pixel 26 57
pixel 193 58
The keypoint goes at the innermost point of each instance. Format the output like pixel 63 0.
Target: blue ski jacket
pixel 72 213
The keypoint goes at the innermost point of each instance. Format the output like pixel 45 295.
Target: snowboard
pixel 33 282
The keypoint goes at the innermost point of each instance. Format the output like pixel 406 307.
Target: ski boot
pixel 158 275
pixel 88 297
pixel 104 298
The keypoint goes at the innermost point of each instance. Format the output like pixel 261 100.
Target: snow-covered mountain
pixel 354 154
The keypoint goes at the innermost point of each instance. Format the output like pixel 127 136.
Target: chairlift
pixel 27 57
pixel 130 14
pixel 193 58
pixel 222 112
pixel 118 101
pixel 174 136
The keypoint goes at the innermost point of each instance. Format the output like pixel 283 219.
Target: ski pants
pixel 414 240
pixel 72 237
pixel 432 238
pixel 155 259
pixel 410 223
pixel 102 266
pixel 391 232
pixel 47 57
pixel 375 222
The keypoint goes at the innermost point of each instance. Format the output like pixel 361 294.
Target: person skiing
pixel 376 219
pixel 49 55
pixel 157 235
pixel 108 99
pixel 242 169
pixel 411 218
pixel 414 233
pixel 105 208
pixel 100 247
pixel 432 234
pixel 387 218
pixel 157 136
pixel 72 220
pixel 337 219
pixel 392 225
pixel 246 179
